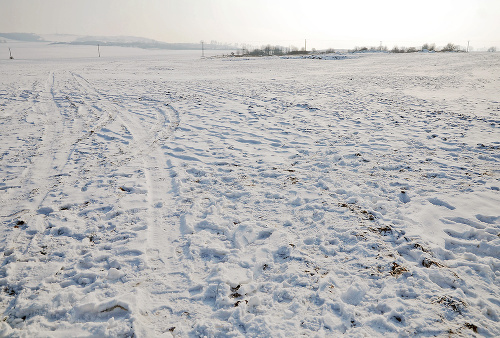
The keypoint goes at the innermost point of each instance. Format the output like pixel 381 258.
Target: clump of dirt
pixel 397 270
pixel 456 305
pixel 426 262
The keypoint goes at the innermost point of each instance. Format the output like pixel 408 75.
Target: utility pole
pixel 10 53
pixel 98 51
pixel 305 45
pixel 468 43
pixel 202 49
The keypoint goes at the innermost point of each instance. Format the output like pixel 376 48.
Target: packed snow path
pixel 250 197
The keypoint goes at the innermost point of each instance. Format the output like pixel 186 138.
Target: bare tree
pixel 396 49
pixel 277 50
pixel 450 47
pixel 267 49
pixel 429 46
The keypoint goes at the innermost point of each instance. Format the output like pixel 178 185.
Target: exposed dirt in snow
pixel 183 197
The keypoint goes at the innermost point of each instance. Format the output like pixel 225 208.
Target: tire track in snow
pixel 95 98
pixel 165 271
pixel 46 229
pixel 50 155
pixel 143 138
pixel 47 163
pixel 33 236
pixel 167 277
pixel 145 147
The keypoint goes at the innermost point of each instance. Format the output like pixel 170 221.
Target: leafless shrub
pixel 429 47
pixel 450 47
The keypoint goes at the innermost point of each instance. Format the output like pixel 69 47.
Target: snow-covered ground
pixel 160 194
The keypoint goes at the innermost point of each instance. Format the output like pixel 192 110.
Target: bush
pixel 492 49
pixel 366 49
pixel 277 50
pixel 263 51
pixel 397 49
pixel 429 47
pixel 257 52
pixel 450 47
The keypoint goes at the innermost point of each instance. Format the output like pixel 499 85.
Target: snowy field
pixel 150 194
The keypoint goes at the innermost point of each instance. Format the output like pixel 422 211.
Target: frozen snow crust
pixel 167 195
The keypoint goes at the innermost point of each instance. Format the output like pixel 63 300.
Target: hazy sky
pixel 324 23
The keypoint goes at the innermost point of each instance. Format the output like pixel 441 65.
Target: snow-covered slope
pixel 167 195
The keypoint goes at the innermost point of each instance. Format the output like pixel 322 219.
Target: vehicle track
pixel 75 151
pixel 150 123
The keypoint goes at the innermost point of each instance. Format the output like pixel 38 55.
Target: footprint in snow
pixel 441 203
pixel 403 197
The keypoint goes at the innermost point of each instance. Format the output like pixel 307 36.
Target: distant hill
pixel 114 39
pixel 138 42
pixel 22 37
pixel 121 41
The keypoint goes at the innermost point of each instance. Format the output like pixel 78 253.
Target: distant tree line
pixel 276 50
pixel 269 50
pixel 426 47
pixel 368 49
pixel 431 47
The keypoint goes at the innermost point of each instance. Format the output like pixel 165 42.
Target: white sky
pixel 324 23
